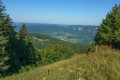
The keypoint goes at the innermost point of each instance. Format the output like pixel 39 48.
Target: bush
pixel 56 53
pixel 25 68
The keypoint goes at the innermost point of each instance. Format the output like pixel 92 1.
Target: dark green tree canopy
pixel 27 51
pixel 5 34
pixel 24 33
pixel 109 32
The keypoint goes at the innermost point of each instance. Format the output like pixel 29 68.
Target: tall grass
pixel 103 65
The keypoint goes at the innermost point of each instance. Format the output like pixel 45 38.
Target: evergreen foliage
pixel 24 34
pixel 5 34
pixel 27 51
pixel 109 32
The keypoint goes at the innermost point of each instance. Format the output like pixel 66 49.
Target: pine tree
pixel 4 38
pixel 3 55
pixel 24 34
pixel 27 54
pixel 7 41
pixel 109 32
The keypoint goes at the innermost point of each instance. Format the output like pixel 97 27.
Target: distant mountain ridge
pixel 83 34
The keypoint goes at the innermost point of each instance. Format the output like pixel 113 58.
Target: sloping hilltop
pixel 103 65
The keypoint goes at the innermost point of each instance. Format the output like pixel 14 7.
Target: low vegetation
pixel 103 65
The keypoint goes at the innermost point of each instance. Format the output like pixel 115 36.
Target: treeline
pixel 17 51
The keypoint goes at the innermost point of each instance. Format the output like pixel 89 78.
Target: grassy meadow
pixel 103 65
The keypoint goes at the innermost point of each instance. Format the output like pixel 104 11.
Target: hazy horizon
pixel 53 23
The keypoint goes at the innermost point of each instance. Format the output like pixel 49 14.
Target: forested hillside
pixel 42 41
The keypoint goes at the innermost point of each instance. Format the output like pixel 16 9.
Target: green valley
pixel 82 34
pixel 46 51
pixel 42 41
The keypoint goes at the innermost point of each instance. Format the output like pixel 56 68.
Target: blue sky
pixel 83 12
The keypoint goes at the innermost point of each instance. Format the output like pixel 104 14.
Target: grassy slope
pixel 104 65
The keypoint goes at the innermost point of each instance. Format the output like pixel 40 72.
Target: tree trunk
pixel 47 72
pixel 110 45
